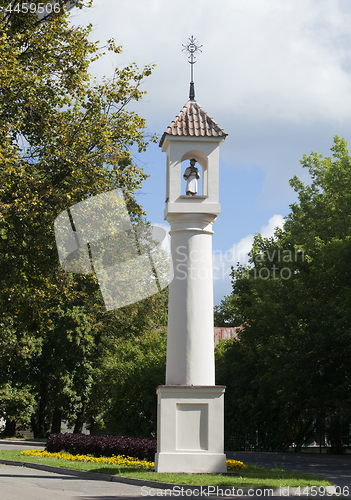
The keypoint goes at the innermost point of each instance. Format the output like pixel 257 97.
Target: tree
pixel 289 374
pixel 128 382
pixel 63 138
pixel 226 314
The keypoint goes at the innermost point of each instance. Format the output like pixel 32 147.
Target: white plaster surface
pixel 190 429
pixel 190 348
pixel 206 152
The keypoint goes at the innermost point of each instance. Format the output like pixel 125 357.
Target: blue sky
pixel 275 74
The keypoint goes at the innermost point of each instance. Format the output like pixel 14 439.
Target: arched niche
pixel 202 161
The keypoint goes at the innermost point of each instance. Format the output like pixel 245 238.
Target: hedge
pixel 102 446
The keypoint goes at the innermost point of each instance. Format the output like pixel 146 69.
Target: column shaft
pixel 190 345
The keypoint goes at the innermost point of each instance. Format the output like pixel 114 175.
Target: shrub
pixel 102 446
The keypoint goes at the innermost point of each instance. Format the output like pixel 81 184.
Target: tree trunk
pixel 10 428
pixel 336 435
pixel 43 418
pixel 35 429
pixel 56 422
pixel 78 427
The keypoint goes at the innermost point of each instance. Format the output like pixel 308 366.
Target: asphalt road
pixel 331 467
pixel 21 483
pixel 5 444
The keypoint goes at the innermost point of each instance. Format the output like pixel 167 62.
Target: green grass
pixel 252 476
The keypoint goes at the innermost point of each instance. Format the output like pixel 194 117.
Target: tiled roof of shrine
pixel 192 120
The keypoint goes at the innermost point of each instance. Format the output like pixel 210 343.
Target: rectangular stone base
pixel 190 462
pixel 190 429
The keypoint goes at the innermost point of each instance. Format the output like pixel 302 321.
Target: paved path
pixel 331 467
pixel 5 444
pixel 20 483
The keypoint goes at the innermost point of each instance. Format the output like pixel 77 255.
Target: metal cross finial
pixel 192 47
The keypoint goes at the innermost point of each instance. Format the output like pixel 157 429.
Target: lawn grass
pixel 251 476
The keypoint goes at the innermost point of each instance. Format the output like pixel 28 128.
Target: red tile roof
pixel 192 120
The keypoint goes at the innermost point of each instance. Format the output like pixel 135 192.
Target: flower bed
pixel 113 460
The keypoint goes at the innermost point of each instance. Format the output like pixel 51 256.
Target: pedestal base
pixel 190 429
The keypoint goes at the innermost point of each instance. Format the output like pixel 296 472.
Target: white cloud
pixel 274 74
pixel 283 60
pixel 274 222
pixel 166 242
pixel 223 261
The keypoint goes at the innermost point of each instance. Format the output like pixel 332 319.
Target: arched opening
pixel 201 166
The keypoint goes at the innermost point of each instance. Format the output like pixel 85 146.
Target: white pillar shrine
pixel 190 426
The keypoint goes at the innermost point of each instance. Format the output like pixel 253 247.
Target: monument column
pixel 190 425
pixel 190 353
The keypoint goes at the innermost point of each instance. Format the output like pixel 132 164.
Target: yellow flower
pixel 114 460
pixel 235 465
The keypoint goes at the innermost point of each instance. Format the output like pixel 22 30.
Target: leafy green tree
pixel 125 386
pixel 289 374
pixel 226 313
pixel 63 137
